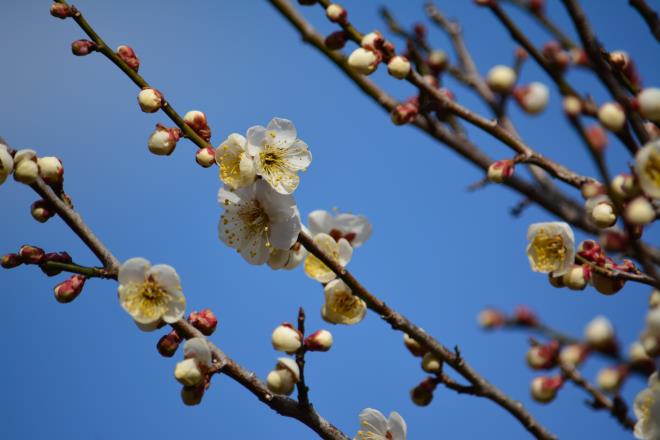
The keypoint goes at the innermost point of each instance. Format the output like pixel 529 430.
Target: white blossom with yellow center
pixel 278 154
pixel 235 163
pixel 257 220
pixel 150 294
pixel 341 306
pixel 647 168
pixel 356 229
pixel 339 251
pixel 551 247
pixel 647 411
pixel 374 426
pixel 290 258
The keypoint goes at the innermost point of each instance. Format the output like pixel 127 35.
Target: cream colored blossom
pixel 278 154
pixel 339 251
pixel 647 168
pixel 647 411
pixel 341 306
pixel 374 426
pixel 356 229
pixel 235 163
pixel 551 247
pixel 150 294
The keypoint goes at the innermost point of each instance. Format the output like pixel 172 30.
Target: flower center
pixel 337 234
pixel 149 300
pixel 255 219
pixel 549 249
pixel 346 304
pixel 652 168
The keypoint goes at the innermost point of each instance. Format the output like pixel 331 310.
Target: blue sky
pixel 438 254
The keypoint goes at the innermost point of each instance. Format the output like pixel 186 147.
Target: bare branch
pixel 649 16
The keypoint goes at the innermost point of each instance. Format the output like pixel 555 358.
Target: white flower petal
pixel 197 348
pixel 357 224
pixel 372 420
pixel 319 221
pixel 284 234
pixel 285 132
pixel 166 276
pixel 298 156
pixel 133 270
pixel 278 258
pixel 397 426
pixel 150 326
pixel 176 308
pixel 345 251
pixel 255 250
pixel 256 138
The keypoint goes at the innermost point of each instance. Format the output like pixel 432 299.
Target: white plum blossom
pixel 374 426
pixel 288 259
pixel 339 251
pixel 258 219
pixel 278 154
pixel 551 247
pixel 236 164
pixel 150 294
pixel 341 306
pixel 647 411
pixel 6 163
pixel 356 229
pixel 647 168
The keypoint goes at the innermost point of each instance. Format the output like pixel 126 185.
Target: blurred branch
pixel 546 23
pixel 303 389
pixel 649 15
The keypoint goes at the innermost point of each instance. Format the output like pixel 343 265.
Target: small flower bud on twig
pixel 320 340
pixel 372 41
pixel 336 40
pixel 572 106
pixel 26 171
pixel 602 213
pixel 163 140
pixel 364 61
pixel 284 377
pixel 205 321
pixel 525 316
pixel 31 254
pixel 150 100
pixel 431 364
pixel 491 318
pixel 205 157
pixel 573 355
pixel 58 257
pixel 68 290
pixel 197 121
pixel 610 379
pixel 532 98
pixel 648 103
pixel 438 60
pixel 501 79
pixel 10 261
pixel 286 339
pixel 81 48
pixel 599 333
pixel 422 394
pixel 399 67
pixel 336 13
pixel 6 164
pixel 639 211
pixel 413 346
pixel 187 372
pixel 500 170
pixel 612 116
pixel 128 56
pixel 168 344
pixel 597 138
pixel 544 389
pixel 192 395
pixel 60 10
pixel 51 170
pixel 41 211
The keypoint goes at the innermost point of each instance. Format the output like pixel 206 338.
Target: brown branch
pixel 549 25
pixel 399 322
pixel 303 389
pixel 618 274
pixel 89 272
pixel 617 407
pixel 649 15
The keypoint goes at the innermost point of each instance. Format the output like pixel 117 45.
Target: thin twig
pixel 549 25
pixel 303 389
pixel 649 15
pixel 89 272
pixel 618 274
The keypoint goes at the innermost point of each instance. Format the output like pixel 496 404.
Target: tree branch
pixel 649 16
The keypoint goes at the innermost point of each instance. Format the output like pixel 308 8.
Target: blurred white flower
pixel 356 229
pixel 339 251
pixel 6 163
pixel 374 426
pixel 278 154
pixel 551 247
pixel 258 219
pixel 341 306
pixel 235 163
pixel 647 411
pixel 150 293
pixel 647 168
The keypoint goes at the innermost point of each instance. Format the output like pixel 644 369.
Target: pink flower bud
pixel 205 157
pixel 614 241
pixel 58 257
pixel 31 254
pixel 500 170
pixel 373 41
pixel 592 189
pixel 68 290
pixel 597 138
pixel 579 57
pixel 525 316
pixel 204 321
pixel 10 261
pixel 422 394
pixel 163 140
pixel 150 100
pixel 82 47
pixel 438 61
pixel 521 54
pixel 544 389
pixel 168 344
pixel 60 10
pixel 491 318
pixel 336 40
pixel 320 340
pixel 197 121
pixel 556 56
pixel 532 98
pixel 128 56
pixel 543 357
pixel 336 13
pixel 612 116
pixel 51 170
pixel 405 113
pixel 399 67
pixel 192 395
pixel 41 211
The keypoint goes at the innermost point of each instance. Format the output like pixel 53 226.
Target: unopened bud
pixel 603 214
pixel 10 261
pixel 577 277
pixel 606 285
pixel 590 190
pixel 597 138
pixel 68 290
pixel 532 98
pixel 41 211
pixel 372 41
pixel 197 121
pixel 336 13
pixel 31 254
pixel 26 171
pixel 284 377
pixel 525 316
pixel 599 333
pixel 57 257
pixel 163 140
pixel 543 357
pixel 168 344
pixel 128 56
pixel 572 106
pixel 573 355
pixel 653 322
pixel 399 67
pixel 192 395
pixel 364 61
pixel 637 354
pixel 500 170
pixel 654 299
pixel 287 339
pixel 610 379
pixel 490 319
pixel 438 60
pixel 639 211
pixel 579 57
pixel 205 321
pixel 544 389
pixel 501 78
pixel 60 10
pixel 422 394
pixel 557 57
pixel 188 373
pixel 150 100
pixel 6 164
pixel 205 157
pixel 336 40
pixel 612 116
pixel 648 102
pixel 624 186
pixel 81 48
pixel 413 346
pixel 404 113
pixel 197 348
pixel 431 364
pixel 537 6
pixel 651 344
pixel 320 340
pixel 51 170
